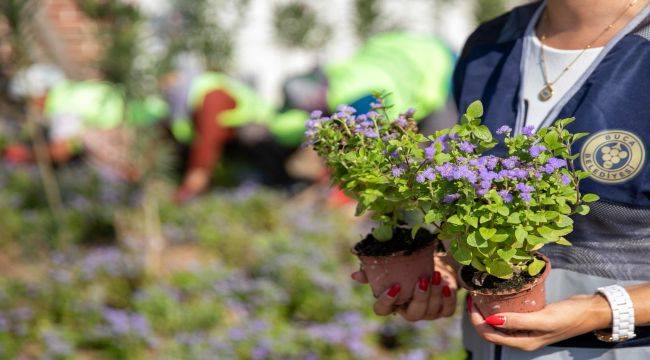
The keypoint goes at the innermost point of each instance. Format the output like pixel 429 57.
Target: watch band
pixel 622 313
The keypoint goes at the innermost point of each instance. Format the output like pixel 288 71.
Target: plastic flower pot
pixel 400 268
pixel 530 297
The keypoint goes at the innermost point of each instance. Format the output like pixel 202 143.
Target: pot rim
pixel 398 254
pixel 511 293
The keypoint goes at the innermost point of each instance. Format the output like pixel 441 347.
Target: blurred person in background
pixel 416 69
pixel 540 62
pixel 82 116
pixel 214 113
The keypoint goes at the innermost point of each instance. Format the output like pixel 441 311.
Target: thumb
pixel 533 321
pixel 359 276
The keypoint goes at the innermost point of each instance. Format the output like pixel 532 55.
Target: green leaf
pixel 477 264
pixel 514 218
pixel 454 219
pixel 487 233
pixel 538 218
pixel 535 267
pixel 482 132
pixel 590 198
pixel 582 209
pixel 520 234
pixel 472 220
pixel 506 255
pixel 499 268
pixel 535 240
pixel 432 216
pixel 475 109
pixel 564 221
pixel 499 237
pixel 503 210
pixel 383 232
pixel 563 241
pixel 547 233
pixel 414 231
pixel 460 253
pixel 580 135
pixel 475 241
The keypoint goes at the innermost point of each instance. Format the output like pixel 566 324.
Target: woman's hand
pixel 432 298
pixel 556 322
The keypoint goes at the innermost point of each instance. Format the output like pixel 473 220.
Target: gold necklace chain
pixel 547 91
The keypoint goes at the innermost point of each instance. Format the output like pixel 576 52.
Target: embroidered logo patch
pixel 613 156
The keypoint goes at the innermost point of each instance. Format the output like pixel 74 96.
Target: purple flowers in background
pixel 427 174
pixel 566 180
pixel 554 164
pixel 524 191
pixel 505 195
pixel 397 171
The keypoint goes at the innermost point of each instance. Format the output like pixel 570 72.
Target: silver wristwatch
pixel 622 314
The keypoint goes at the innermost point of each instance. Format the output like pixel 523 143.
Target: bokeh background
pixel 98 266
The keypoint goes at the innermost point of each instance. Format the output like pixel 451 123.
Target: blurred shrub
pixel 297 25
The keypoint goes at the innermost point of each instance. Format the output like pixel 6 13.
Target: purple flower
pixel 347 109
pixel 465 146
pixel 427 174
pixel 397 171
pixel 566 180
pixel 481 191
pixel 554 164
pixel 525 197
pixel 505 195
pixel 410 112
pixel 370 133
pixel 491 162
pixel 528 130
pixel 445 170
pixel 401 122
pixel 504 129
pixel 536 150
pixel 523 188
pixel 464 172
pixel 430 151
pixel 316 114
pixel 510 163
pixel 443 142
pixel 448 199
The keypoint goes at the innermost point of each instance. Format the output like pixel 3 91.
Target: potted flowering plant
pixel 505 209
pixel 375 160
pixel 386 166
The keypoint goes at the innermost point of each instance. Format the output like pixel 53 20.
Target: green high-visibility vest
pixel 102 105
pixel 99 104
pixel 249 107
pixel 415 70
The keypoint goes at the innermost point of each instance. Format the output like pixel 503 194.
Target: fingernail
pixel 470 304
pixel 436 278
pixel 394 290
pixel 495 320
pixel 446 291
pixel 423 284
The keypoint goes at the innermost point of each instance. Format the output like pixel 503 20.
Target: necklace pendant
pixel 546 93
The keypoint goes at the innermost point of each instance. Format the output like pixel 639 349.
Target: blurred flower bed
pixel 247 274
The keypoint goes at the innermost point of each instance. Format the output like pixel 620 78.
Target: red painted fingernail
pixel 446 291
pixel 423 284
pixel 470 304
pixel 436 278
pixel 394 290
pixel 495 320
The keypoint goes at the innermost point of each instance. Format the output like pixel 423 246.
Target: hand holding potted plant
pixel 375 160
pixel 507 209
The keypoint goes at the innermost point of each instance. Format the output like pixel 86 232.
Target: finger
pixel 435 297
pixel 418 306
pixel 448 301
pixel 386 301
pixel 533 321
pixel 360 276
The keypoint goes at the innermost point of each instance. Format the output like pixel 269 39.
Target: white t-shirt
pixel 556 61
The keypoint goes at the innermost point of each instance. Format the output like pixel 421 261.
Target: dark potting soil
pixel 493 284
pixel 401 241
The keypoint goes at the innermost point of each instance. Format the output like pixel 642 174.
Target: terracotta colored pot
pixel 532 297
pixel 385 271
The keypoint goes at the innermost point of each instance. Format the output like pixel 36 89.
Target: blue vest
pixel 612 103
